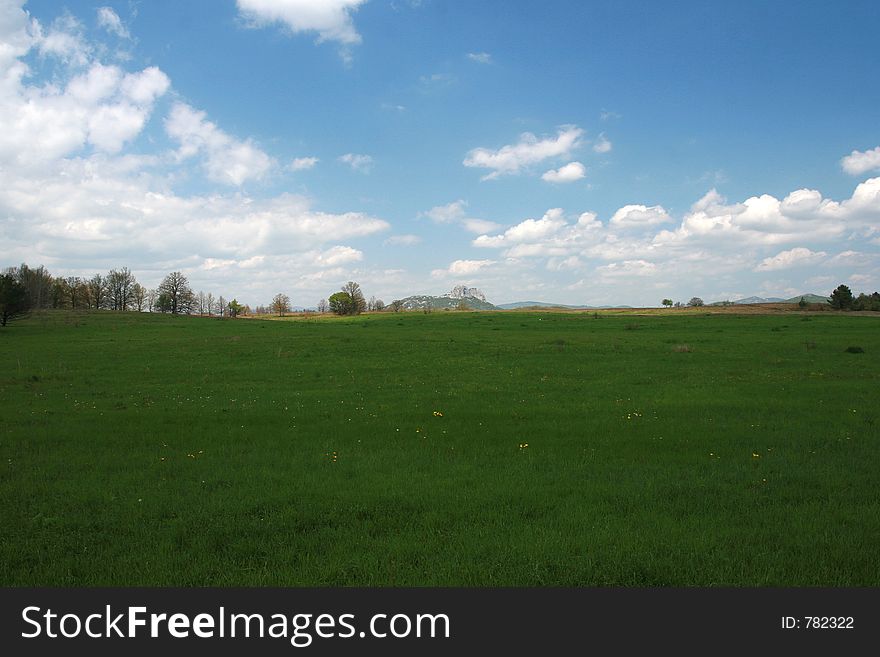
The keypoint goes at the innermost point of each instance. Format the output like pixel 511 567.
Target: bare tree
pixel 280 304
pixel 97 291
pixel 152 296
pixel 175 294
pixel 139 297
pixel 322 306
pixel 37 283
pixel 76 291
pixel 209 303
pixel 379 305
pixel 201 300
pixel 119 288
pixel 221 306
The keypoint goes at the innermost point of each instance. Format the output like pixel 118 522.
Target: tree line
pixel 25 288
pixel 350 300
pixel 841 298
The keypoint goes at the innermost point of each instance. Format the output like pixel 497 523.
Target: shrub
pixel 854 350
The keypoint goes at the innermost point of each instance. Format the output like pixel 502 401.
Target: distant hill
pixel 517 305
pixel 472 297
pixel 422 302
pixel 537 304
pixel 809 298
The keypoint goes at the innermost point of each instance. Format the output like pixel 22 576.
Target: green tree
pixel 695 302
pixel 802 303
pixel 14 300
pixel 667 303
pixel 163 302
pixel 235 308
pixel 358 303
pixel 867 302
pixel 841 298
pixel 341 303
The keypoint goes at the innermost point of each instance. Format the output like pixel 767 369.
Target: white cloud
pixel 403 240
pixel 359 163
pixel 338 255
pixel 303 163
pixel 602 144
pixel 572 263
pixel 480 57
pixel 110 21
pixel 449 213
pixel 551 235
pixel 63 40
pixel 455 213
pixel 462 268
pixel 102 107
pixel 479 226
pixel 628 268
pixel 797 257
pixel 639 216
pixel 226 159
pixel 331 19
pixel 565 174
pixel 529 150
pixel 73 198
pixel 859 162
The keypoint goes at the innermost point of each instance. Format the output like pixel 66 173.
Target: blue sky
pixel 572 152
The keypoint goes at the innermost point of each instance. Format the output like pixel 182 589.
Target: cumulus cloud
pixel 303 163
pixel 529 150
pixel 456 213
pixel 226 159
pixel 64 40
pixel 331 19
pixel 566 174
pixel 338 255
pixel 102 107
pixel 73 198
pixel 359 163
pixel 639 216
pixel 462 268
pixel 859 162
pixel 110 21
pixel 797 257
pixel 551 235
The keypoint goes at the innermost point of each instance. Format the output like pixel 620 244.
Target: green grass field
pixel 462 449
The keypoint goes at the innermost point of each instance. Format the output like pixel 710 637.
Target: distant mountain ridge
pixel 471 297
pixel 541 304
pixel 474 299
pixel 809 298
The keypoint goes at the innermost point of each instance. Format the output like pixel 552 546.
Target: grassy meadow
pixel 460 449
